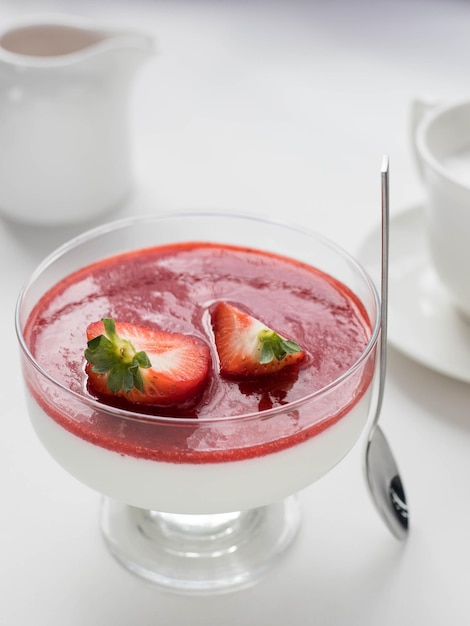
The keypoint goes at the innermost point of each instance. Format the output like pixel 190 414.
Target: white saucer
pixel 422 323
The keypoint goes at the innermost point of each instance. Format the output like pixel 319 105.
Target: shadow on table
pixel 440 395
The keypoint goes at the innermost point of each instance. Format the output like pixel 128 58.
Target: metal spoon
pixel 381 470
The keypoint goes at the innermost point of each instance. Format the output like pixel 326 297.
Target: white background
pixel 280 109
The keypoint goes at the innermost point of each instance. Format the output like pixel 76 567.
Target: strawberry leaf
pixel 290 347
pixel 267 352
pixel 142 359
pixel 117 358
pixel 273 346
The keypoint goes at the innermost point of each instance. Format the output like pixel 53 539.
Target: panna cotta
pixel 242 442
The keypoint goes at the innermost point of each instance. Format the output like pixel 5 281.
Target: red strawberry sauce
pixel 173 288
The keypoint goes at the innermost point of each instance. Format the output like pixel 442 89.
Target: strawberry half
pixel 246 347
pixel 144 365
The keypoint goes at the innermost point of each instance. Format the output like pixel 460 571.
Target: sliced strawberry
pixel 144 365
pixel 246 347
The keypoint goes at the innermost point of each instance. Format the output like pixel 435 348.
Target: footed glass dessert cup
pixel 201 498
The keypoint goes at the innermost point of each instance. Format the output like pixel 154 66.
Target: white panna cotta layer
pixel 201 488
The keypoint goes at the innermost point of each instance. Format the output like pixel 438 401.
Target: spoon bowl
pixel 385 484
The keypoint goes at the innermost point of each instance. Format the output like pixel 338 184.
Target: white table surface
pixel 282 109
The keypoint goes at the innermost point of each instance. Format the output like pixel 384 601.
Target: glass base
pixel 199 553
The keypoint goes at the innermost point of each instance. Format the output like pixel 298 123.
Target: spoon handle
pixel 384 281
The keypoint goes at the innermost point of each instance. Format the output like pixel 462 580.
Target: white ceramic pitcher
pixel 64 119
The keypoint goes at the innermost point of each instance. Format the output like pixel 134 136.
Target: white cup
pixel 441 135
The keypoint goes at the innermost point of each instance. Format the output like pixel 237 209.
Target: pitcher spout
pixel 58 41
pixel 138 42
pixel 126 50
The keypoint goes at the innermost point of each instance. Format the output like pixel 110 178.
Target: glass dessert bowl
pixel 199 496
